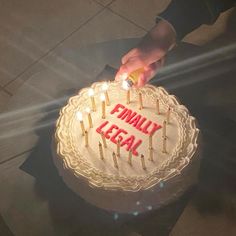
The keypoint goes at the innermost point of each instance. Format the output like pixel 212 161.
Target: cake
pixel 131 152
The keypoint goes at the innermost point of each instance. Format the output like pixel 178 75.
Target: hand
pixel 149 54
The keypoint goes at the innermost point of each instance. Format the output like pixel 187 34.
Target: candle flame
pixel 125 85
pixel 79 115
pixel 88 110
pixel 91 92
pixel 105 86
pixel 124 76
pixel 102 97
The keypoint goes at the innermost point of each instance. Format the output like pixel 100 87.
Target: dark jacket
pixel 187 15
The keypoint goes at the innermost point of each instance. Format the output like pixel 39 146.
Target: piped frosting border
pixel 179 159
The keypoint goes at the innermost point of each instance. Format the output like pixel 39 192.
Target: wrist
pixel 164 31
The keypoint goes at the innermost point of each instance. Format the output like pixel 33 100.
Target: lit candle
pixel 80 118
pixel 126 87
pixel 150 141
pixel 157 107
pixel 164 129
pixel 130 157
pixel 104 89
pixel 124 76
pixel 168 116
pixel 91 95
pixel 150 153
pixel 104 140
pixel 101 151
pixel 143 162
pixel 115 160
pixel 89 117
pixel 118 148
pixel 86 138
pixel 140 101
pixel 103 105
pixel 164 145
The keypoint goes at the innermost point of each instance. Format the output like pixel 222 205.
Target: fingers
pixel 134 60
pixel 129 62
pixel 149 73
pixel 131 65
pixel 141 81
pixel 132 53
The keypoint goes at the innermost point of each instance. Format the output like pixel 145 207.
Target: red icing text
pixel 128 141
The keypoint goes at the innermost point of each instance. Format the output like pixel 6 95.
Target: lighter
pixel 132 78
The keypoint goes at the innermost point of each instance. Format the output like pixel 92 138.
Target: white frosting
pixel 84 162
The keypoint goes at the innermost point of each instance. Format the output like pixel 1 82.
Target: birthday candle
pixel 130 157
pixel 91 95
pixel 103 106
pixel 150 154
pixel 101 151
pixel 80 118
pixel 86 138
pixel 164 145
pixel 168 116
pixel 118 148
pixel 150 141
pixel 115 160
pixel 143 162
pixel 104 89
pixel 157 107
pixel 164 129
pixel 128 97
pixel 104 140
pixel 140 101
pixel 89 117
pixel 126 87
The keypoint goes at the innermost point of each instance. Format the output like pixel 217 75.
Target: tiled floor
pixel 4 97
pixel 104 2
pixel 37 34
pixel 30 29
pixel 97 30
pixel 139 12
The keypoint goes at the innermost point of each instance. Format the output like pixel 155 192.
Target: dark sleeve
pixel 187 15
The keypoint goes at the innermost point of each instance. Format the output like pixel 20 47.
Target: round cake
pixel 126 151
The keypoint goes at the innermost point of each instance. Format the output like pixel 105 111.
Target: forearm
pixel 187 15
pixel 161 37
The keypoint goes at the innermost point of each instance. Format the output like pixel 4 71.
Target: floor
pixel 30 30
